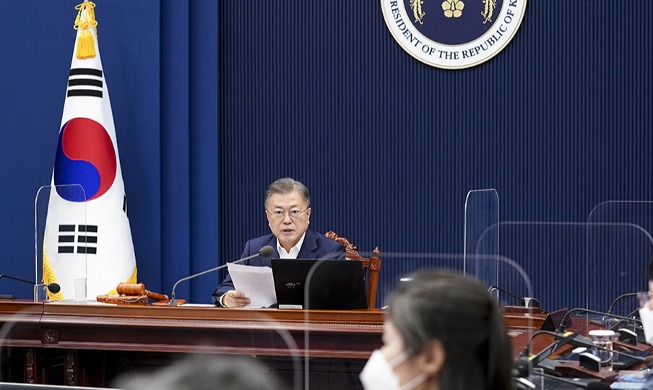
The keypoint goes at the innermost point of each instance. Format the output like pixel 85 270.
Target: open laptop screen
pixel 331 284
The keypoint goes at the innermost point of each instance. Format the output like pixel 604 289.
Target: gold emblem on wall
pixel 453 8
pixel 489 10
pixel 453 34
pixel 416 6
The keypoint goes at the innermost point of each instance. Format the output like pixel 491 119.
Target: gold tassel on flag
pixel 49 276
pixel 84 21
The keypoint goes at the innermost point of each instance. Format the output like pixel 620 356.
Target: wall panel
pixel 557 122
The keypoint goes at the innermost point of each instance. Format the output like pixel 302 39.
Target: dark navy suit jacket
pixel 315 246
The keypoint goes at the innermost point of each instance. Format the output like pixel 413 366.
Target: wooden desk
pixel 89 344
pixel 316 333
pixel 73 337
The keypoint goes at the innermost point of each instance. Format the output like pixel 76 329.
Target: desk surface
pixel 204 328
pixel 97 329
pixel 274 332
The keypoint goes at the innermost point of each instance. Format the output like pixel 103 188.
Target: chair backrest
pixel 371 265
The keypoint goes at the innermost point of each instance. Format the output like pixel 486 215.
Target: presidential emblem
pixel 453 34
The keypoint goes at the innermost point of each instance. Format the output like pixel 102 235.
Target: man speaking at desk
pixel 287 207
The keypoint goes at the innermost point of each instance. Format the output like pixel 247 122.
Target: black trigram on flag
pixel 81 240
pixel 85 82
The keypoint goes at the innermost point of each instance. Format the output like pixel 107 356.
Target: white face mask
pixel 378 374
pixel 646 316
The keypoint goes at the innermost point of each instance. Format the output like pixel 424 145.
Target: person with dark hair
pixel 288 210
pixel 203 373
pixel 443 330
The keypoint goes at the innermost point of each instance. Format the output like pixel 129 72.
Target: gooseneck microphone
pixel 578 340
pixel 266 251
pixel 525 301
pixel 588 311
pixel 52 287
pixel 526 353
pixel 524 364
pixel 619 298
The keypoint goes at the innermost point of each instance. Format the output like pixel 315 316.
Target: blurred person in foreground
pixel 442 330
pixel 288 211
pixel 203 373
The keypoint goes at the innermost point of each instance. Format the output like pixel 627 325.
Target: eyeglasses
pixel 280 214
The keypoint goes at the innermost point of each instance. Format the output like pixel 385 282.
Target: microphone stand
pixel 619 298
pixel 574 339
pixel 15 278
pixel 54 287
pixel 492 288
pixel 526 302
pixel 588 311
pixel 266 251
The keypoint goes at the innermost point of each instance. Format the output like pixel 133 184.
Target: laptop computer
pixel 333 284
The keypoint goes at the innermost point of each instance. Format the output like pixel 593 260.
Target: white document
pixel 256 283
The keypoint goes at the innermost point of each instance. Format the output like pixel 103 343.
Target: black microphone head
pixel 54 288
pixel 266 251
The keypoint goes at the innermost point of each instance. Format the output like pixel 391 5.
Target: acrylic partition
pixel 481 212
pixel 638 215
pixel 406 265
pixel 576 265
pixel 148 366
pixel 69 245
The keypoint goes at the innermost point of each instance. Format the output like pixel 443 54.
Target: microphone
pixel 266 251
pixel 526 301
pixel 596 385
pixel 576 340
pixel 582 341
pixel 522 366
pixel 52 287
pixel 582 310
pixel 620 297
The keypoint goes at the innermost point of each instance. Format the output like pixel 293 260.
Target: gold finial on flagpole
pixel 84 21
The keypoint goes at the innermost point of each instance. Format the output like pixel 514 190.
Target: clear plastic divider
pixel 639 216
pixel 577 264
pixel 61 243
pixel 482 212
pixel 520 324
pixel 152 362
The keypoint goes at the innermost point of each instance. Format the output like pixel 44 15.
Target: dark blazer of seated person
pixel 315 246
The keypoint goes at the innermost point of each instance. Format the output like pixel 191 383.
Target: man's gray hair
pixel 287 185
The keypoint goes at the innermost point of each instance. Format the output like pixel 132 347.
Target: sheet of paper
pixel 256 283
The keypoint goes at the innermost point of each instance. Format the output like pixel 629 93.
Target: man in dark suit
pixel 287 207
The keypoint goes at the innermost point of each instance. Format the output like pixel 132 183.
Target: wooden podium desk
pixel 89 344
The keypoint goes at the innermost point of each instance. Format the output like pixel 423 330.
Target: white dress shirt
pixel 294 251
